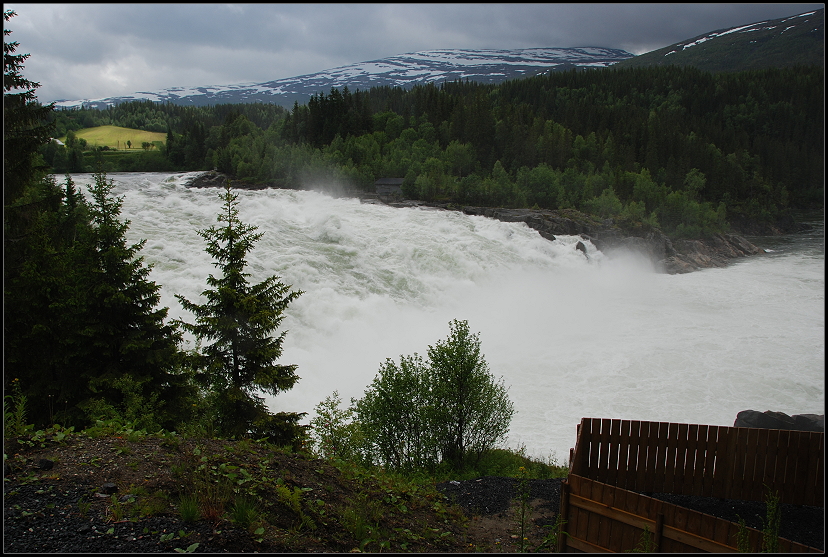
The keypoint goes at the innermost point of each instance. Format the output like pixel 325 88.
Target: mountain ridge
pixel 402 70
pixel 773 43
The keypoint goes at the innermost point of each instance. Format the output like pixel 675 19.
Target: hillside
pixel 116 137
pixel 404 70
pixel 777 43
pixel 137 493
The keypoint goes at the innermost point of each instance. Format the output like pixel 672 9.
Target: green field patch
pixel 116 137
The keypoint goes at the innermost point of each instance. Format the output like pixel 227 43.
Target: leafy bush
pixel 449 408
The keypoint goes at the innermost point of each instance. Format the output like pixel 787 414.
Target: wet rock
pixel 780 420
pixel 211 179
pixel 109 488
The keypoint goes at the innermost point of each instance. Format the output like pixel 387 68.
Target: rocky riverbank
pixel 668 256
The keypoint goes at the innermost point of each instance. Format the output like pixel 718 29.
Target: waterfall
pixel 571 336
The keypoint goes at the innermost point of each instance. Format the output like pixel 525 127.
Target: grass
pixel 284 500
pixel 116 137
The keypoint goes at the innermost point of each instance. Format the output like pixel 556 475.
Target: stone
pixel 211 179
pixel 109 488
pixel 780 420
pixel 809 422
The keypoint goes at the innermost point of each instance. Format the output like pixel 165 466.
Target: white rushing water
pixel 572 338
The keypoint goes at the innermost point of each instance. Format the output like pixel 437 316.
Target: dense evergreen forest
pixel 673 147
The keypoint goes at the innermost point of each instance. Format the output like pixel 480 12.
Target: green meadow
pixel 116 137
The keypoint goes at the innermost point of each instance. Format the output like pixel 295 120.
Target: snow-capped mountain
pixel 782 42
pixel 404 70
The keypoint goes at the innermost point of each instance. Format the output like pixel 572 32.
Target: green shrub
pixel 449 408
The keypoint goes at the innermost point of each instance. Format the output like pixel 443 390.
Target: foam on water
pixel 572 338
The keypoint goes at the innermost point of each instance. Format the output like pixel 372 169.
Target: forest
pixel 677 148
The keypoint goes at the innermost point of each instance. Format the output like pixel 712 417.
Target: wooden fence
pixel 614 459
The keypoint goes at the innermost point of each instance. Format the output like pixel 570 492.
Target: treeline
pixel 673 147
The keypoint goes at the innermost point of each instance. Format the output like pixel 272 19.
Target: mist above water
pixel 572 337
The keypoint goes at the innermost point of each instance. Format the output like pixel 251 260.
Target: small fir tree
pixel 238 320
pixel 123 346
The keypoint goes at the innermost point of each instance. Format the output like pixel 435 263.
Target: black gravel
pixel 492 495
pixel 47 519
pixel 799 523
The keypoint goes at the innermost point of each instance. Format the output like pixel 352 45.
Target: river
pixel 572 337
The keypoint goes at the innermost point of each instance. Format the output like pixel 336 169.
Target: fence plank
pixel 681 458
pixel 733 464
pixel 652 443
pixel 603 451
pixel 707 527
pixel 643 429
pixel 690 460
pixel 563 511
pixel 581 516
pixel 819 488
pixel 618 527
pixel 660 471
pixel 624 454
pixel 786 457
pixel 757 492
pixel 670 463
pixel 668 545
pixel 590 448
pixel 701 456
pixel 605 497
pixel 722 467
pixel 615 441
pixel 709 460
pixel 772 450
pixel 740 470
pixel 751 451
pixel 798 446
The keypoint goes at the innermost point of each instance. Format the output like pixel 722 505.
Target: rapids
pixel 571 337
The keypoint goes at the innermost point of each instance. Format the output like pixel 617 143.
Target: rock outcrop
pixel 681 256
pixel 780 420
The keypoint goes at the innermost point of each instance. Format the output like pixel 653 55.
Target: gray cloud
pixel 98 50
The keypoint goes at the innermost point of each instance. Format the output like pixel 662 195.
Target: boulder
pixel 780 420
pixel 211 179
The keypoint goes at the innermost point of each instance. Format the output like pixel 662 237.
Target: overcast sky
pixel 86 51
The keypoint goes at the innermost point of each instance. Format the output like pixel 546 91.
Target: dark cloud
pixel 97 50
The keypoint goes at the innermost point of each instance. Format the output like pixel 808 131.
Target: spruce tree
pixel 122 345
pixel 25 122
pixel 238 321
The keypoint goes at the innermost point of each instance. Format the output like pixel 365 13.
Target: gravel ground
pixel 492 495
pixel 37 520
